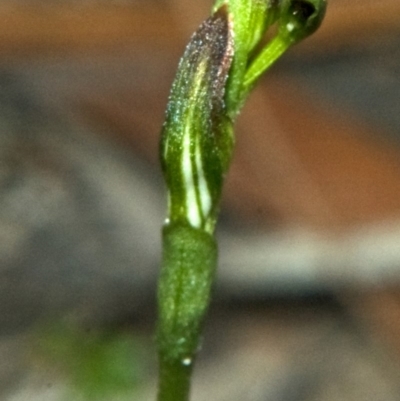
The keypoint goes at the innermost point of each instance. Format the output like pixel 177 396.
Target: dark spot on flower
pixel 303 9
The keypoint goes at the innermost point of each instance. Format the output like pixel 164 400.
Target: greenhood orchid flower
pixel 221 64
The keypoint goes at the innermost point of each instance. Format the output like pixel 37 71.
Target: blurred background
pixel 306 305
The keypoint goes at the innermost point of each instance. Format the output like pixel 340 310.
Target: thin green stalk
pixel 272 52
pixel 174 381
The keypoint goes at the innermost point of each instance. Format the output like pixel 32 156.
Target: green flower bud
pixel 300 18
pixel 297 19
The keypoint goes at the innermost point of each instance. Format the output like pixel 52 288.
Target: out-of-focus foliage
pixel 99 365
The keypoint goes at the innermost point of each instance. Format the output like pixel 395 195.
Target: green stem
pixel 264 61
pixel 188 269
pixel 174 380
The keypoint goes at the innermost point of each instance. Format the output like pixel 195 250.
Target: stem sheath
pixel 188 269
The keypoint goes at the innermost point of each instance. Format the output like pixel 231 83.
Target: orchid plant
pixel 221 64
